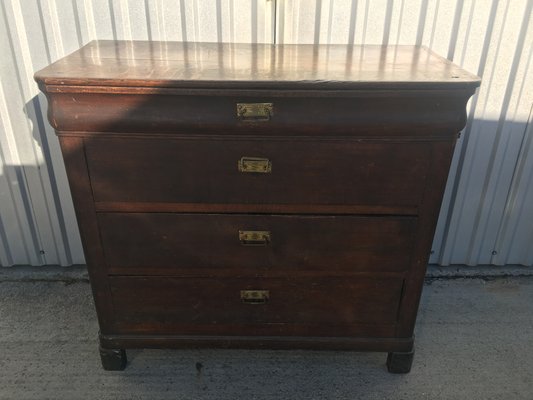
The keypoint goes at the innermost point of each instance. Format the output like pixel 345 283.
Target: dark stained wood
pixel 113 359
pixel 127 206
pixel 80 187
pixel 194 88
pixel 441 155
pixel 400 362
pixel 334 306
pixel 210 242
pixel 307 342
pixel 255 66
pixel 360 139
pixel 192 171
pixel 204 113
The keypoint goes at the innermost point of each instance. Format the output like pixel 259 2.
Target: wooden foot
pixel 113 359
pixel 400 363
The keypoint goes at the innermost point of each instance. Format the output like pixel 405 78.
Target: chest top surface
pixel 257 66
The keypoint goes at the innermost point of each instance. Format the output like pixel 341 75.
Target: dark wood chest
pixel 259 196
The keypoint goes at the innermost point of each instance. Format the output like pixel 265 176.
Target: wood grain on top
pixel 254 66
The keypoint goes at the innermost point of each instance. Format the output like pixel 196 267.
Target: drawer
pixel 161 243
pixel 312 306
pixel 393 114
pixel 309 172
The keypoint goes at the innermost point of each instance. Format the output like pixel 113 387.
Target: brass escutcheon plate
pixel 258 238
pixel 255 165
pixel 255 111
pixel 255 296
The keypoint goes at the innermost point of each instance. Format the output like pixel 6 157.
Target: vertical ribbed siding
pixel 487 212
pixel 487 154
pixel 37 220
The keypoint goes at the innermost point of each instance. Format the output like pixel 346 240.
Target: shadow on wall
pixel 37 222
pixel 488 203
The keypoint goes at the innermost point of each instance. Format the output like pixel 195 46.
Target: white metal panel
pixel 515 235
pixel 487 212
pixel 26 144
pixel 493 138
pixel 37 220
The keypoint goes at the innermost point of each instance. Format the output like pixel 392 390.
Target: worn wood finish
pixel 334 306
pixel 254 66
pixel 209 243
pixel 169 171
pixel 360 140
pixel 308 342
pixel 80 186
pixel 441 155
pixel 258 208
pixel 302 113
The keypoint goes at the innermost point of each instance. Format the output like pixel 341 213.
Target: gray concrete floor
pixel 474 341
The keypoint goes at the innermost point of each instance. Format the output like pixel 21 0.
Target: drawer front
pixel 161 243
pixel 334 306
pixel 391 113
pixel 257 171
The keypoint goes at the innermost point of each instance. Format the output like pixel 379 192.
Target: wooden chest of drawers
pixel 235 195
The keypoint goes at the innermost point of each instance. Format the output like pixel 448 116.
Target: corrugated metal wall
pixel 487 215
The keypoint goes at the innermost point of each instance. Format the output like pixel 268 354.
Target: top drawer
pixel 311 112
pixel 312 172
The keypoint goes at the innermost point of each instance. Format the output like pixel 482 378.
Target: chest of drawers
pixel 258 196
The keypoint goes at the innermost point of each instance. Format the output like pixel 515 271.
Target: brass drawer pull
pixel 255 296
pixel 255 164
pixel 254 238
pixel 255 111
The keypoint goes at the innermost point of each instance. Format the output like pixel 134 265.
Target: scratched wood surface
pixel 188 64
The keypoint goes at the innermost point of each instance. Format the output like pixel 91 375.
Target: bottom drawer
pixel 324 306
